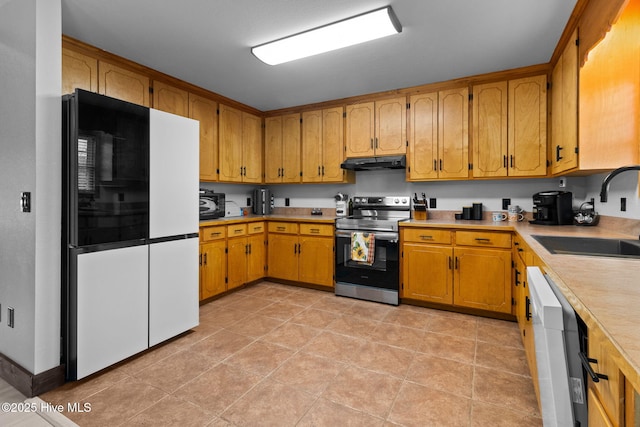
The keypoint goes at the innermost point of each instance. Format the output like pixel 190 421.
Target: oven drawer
pixel 484 239
pixel 283 227
pixel 237 230
pixel 427 235
pixel 316 229
pixel 212 233
pixel 255 227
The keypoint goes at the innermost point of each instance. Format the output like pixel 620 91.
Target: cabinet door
pixel 423 137
pixel 391 126
pixel 312 139
pixel 123 84
pixel 360 129
pixel 291 148
pixel 610 392
pixel 238 251
pixel 482 279
pixel 316 262
pixel 257 257
pixel 528 126
pixel 332 144
pixel 453 133
pixel 273 149
pixel 170 99
pixel 213 268
pixel 609 97
pixel 78 71
pixel 428 273
pixel 205 111
pixel 252 148
pixel 490 130
pixel 597 415
pixel 564 109
pixel 282 256
pixel 230 144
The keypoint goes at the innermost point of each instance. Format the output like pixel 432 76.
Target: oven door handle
pixel 386 236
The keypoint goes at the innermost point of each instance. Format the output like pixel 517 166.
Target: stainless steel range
pixel 367 248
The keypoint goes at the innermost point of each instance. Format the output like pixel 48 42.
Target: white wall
pixel 450 195
pixel 30 141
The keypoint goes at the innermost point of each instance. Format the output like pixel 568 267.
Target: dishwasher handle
pixel 586 364
pixel 386 236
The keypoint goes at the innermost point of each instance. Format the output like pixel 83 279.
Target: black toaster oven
pixel 212 205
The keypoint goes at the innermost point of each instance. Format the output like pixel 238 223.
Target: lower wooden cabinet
pixel 482 279
pixel 231 256
pixel 301 252
pixel 437 266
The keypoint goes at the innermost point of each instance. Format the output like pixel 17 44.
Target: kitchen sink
pixel 620 248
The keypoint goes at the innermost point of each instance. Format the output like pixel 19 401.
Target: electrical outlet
pixel 623 204
pixel 432 203
pixel 562 182
pixel 248 201
pixel 505 204
pixel 25 201
pixel 286 201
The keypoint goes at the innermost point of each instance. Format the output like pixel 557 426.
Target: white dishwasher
pixel 560 375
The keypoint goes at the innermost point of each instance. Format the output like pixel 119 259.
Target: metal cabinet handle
pixel 322 170
pixel 318 170
pixel 504 160
pixel 376 142
pixel 295 248
pixel 558 156
pixel 280 228
pixel 511 159
pixel 314 230
pixel 450 264
pixel 483 240
pixel 517 277
pixel 440 164
pixel 456 266
pixel 586 364
pixel 205 258
pixel 435 165
pixel 200 259
pixel 527 306
pixel 372 143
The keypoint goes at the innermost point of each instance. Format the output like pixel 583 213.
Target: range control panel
pixel 382 201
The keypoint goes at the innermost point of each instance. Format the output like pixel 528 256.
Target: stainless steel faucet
pixel 612 174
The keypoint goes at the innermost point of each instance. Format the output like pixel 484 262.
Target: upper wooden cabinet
pixel 205 111
pixel 564 109
pixel 323 145
pixel 490 147
pixel 78 71
pixel 510 128
pixel 123 84
pixel 170 99
pixel 377 128
pixel 282 149
pixel 527 126
pixel 439 135
pixel 609 103
pixel 240 146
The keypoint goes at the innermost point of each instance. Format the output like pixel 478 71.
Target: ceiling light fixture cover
pixel 357 29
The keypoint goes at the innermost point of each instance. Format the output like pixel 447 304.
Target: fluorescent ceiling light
pixel 357 29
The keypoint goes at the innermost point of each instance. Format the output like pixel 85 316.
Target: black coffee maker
pixel 552 208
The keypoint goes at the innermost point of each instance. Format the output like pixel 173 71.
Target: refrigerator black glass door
pixel 108 170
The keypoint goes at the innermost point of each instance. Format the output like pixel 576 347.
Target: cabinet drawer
pixel 483 238
pixel 255 227
pixel 208 234
pixel 283 227
pixel 427 235
pixel 237 230
pixel 316 229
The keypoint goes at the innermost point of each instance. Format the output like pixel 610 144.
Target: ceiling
pixel 207 42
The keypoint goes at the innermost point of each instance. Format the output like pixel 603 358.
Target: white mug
pixel 515 216
pixel 498 216
pixel 514 209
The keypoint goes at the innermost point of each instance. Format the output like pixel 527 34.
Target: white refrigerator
pixel 130 230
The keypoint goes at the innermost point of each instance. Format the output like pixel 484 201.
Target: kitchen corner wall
pixel 30 143
pixel 450 195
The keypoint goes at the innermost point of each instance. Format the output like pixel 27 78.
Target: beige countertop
pixel 604 291
pixel 322 219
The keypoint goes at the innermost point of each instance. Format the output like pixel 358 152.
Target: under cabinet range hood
pixel 373 163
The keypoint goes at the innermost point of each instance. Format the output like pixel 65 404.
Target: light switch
pixel 25 201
